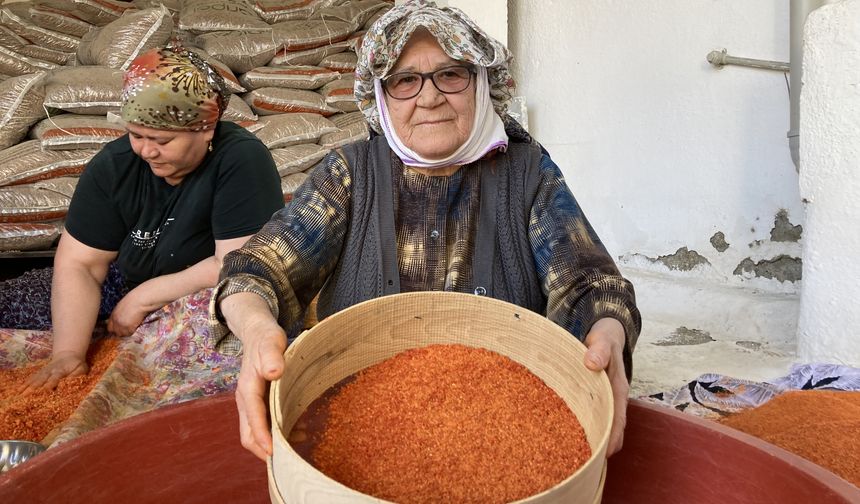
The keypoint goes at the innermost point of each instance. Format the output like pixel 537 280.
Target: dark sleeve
pixel 579 277
pixel 94 218
pixel 289 260
pixel 248 190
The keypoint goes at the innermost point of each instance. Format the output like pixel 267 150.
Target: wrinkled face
pixel 171 154
pixel 432 124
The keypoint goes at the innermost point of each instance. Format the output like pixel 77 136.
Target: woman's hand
pixel 127 315
pixel 605 342
pixel 62 365
pixel 263 346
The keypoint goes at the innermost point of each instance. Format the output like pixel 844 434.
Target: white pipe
pixel 799 10
pixel 721 58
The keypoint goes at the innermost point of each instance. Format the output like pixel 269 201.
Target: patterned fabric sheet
pixel 171 358
pixel 714 396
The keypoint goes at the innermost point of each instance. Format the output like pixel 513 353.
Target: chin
pixel 437 150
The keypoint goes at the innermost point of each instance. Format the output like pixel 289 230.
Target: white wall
pixel 661 149
pixel 830 183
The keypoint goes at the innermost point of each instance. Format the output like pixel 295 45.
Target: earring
pixel 210 146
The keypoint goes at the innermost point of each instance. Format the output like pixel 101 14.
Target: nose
pixel 429 96
pixel 148 150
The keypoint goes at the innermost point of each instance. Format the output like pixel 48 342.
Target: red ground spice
pixel 819 425
pixel 33 416
pixel 449 423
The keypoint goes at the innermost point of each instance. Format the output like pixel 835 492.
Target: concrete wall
pixel 683 169
pixel 830 185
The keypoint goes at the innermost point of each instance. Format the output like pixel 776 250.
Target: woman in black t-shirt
pixel 164 203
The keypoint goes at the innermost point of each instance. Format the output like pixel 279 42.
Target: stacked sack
pixel 61 66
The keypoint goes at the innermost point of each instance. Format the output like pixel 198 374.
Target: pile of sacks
pixel 288 63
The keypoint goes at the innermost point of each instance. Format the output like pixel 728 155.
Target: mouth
pixel 433 122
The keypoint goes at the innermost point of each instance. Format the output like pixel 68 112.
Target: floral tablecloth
pixel 171 358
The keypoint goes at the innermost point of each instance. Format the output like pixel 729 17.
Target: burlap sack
pixel 297 158
pixel 251 126
pixel 340 94
pixel 308 56
pixel 290 183
pixel 20 106
pixel 93 90
pixel 239 50
pixel 275 11
pixel 116 44
pixel 59 20
pixel 201 16
pixel 356 12
pixel 10 39
pixel 29 235
pixel 272 100
pixel 73 131
pixel 352 128
pixel 341 62
pixel 293 77
pixel 16 17
pixel 238 111
pixel 27 162
pixel 42 201
pixel 45 54
pixel 301 35
pixel 376 15
pixel 95 12
pixel 283 130
pixel 13 63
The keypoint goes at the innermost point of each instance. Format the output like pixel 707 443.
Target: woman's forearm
pixel 75 299
pixel 159 291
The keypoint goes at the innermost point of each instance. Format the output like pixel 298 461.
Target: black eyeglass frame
pixel 430 75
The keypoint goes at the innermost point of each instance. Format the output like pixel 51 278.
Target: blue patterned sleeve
pixel 289 259
pixel 578 276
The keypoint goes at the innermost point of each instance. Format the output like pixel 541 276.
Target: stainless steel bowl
pixel 14 452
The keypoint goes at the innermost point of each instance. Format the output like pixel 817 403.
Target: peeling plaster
pixel 684 336
pixel 749 345
pixel 683 259
pixel 719 241
pixel 783 230
pixel 782 268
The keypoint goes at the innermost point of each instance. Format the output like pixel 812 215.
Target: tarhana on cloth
pixel 171 358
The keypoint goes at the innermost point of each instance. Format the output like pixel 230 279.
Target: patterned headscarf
pixel 459 37
pixel 173 89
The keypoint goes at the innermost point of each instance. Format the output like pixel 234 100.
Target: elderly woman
pixel 444 199
pixel 164 203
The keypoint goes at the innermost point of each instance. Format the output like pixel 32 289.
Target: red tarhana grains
pixel 33 416
pixel 448 423
pixel 818 425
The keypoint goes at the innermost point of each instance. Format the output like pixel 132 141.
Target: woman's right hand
pixel 62 365
pixel 263 346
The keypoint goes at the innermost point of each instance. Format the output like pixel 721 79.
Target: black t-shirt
pixel 120 205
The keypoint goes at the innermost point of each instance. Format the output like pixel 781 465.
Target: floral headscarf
pixel 459 37
pixel 173 89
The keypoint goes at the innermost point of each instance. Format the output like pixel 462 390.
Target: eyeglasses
pixel 448 80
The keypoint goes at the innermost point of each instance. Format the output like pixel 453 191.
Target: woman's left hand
pixel 605 342
pixel 126 316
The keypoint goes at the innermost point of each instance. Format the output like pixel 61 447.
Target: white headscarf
pixel 487 134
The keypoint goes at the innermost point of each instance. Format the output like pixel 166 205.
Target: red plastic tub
pixel 191 453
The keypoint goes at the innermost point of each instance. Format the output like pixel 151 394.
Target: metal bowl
pixel 13 452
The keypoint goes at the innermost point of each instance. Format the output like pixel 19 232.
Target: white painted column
pixel 829 323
